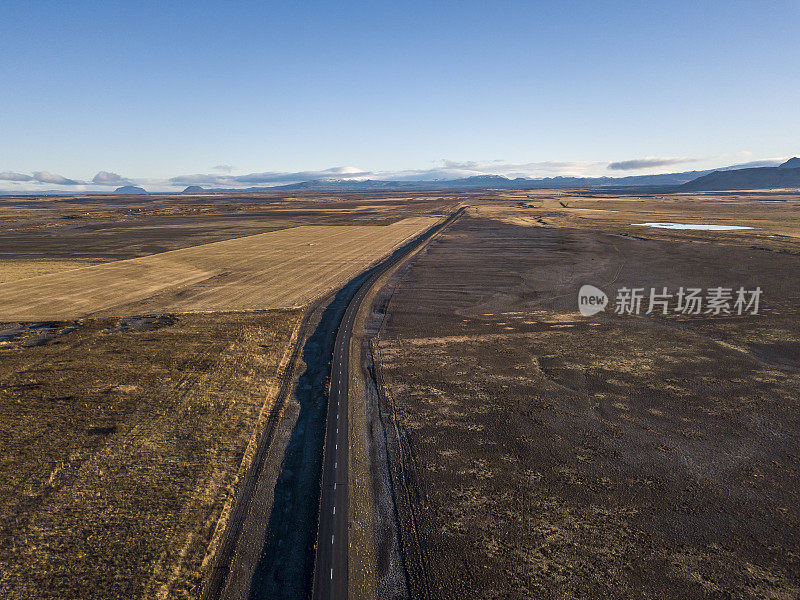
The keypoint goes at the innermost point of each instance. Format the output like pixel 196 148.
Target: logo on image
pixel 714 301
pixel 591 300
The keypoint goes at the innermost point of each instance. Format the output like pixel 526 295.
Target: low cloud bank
pixel 649 163
pixel 11 176
pixel 444 169
pixel 269 177
pixel 47 177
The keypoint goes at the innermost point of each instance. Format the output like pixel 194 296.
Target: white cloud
pixel 451 169
pixel 269 177
pixel 444 169
pixel 11 176
pixel 108 178
pixel 440 170
pixel 47 177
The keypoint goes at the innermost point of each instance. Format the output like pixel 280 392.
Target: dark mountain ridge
pixel 762 178
pixel 477 182
pixel 792 163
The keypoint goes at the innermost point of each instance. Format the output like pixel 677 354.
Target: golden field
pixel 278 269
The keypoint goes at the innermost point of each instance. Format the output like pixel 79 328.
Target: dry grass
pixel 283 268
pixel 537 453
pixel 774 217
pixel 14 269
pixel 122 451
pixel 123 447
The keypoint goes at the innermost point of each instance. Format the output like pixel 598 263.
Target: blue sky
pixel 170 93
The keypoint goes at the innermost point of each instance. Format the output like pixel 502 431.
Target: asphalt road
pixel 331 565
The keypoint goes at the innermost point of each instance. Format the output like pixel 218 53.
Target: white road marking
pixel 331 574
pixel 334 510
pixel 331 539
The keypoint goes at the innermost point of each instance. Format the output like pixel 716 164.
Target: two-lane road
pixel 331 565
pixel 330 573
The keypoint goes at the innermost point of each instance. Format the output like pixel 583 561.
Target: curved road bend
pixel 331 564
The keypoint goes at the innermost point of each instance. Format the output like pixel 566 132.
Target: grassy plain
pixel 104 228
pixel 188 253
pixel 539 453
pixel 126 433
pixel 545 454
pixel 122 451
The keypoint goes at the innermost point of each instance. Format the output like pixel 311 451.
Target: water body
pixel 700 226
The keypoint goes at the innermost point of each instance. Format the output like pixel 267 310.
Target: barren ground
pixel 544 454
pixel 104 228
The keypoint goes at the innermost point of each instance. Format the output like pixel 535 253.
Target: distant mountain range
pixel 498 182
pixel 786 175
pixel 476 182
pixel 737 177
